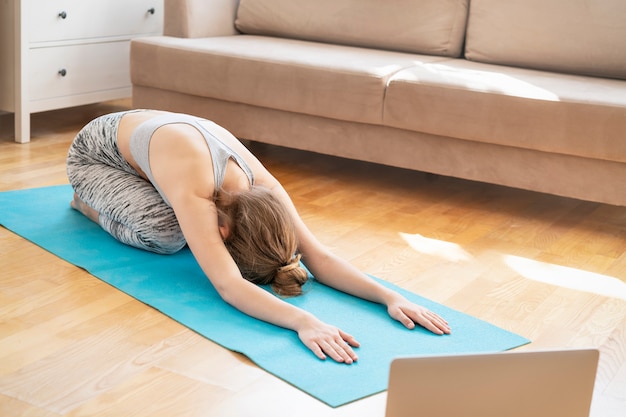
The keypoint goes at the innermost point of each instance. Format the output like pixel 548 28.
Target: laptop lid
pixel 512 384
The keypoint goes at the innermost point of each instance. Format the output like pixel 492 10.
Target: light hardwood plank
pixel 14 407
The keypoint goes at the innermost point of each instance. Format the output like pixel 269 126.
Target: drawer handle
pixel 63 15
pixel 151 10
pixel 63 72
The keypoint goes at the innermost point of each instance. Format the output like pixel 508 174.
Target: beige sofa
pixel 523 93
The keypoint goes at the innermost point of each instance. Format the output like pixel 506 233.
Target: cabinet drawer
pixel 87 68
pixel 59 20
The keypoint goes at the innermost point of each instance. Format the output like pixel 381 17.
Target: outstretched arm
pixel 327 268
pixel 186 178
pixel 331 270
pixel 334 271
pixel 198 220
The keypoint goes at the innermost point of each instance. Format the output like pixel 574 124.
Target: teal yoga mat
pixel 175 285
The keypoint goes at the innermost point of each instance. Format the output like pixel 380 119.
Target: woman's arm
pixel 186 178
pixel 333 271
pixel 198 220
pixel 329 269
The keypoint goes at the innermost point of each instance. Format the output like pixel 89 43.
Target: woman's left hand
pixel 410 314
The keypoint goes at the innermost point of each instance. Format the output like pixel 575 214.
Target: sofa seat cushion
pixel 434 27
pixel 340 82
pixel 572 36
pixel 567 114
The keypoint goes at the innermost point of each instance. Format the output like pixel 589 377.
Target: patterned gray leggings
pixel 129 207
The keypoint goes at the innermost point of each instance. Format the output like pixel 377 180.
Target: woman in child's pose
pixel 157 181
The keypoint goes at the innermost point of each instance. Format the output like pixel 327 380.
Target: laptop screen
pixel 512 384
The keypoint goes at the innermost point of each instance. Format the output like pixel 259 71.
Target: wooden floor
pixel 549 268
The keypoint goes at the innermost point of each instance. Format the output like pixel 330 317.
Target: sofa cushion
pixel 572 36
pixel 339 82
pixel 567 114
pixel 433 27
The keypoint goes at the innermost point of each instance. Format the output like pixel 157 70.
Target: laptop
pixel 505 384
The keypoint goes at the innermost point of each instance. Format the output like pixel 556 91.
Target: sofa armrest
pixel 200 18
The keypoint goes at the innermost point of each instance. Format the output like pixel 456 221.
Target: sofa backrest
pixel 585 37
pixel 199 18
pixel 433 27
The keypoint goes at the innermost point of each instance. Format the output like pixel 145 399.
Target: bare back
pixel 181 161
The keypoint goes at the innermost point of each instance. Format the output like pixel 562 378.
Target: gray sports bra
pixel 220 152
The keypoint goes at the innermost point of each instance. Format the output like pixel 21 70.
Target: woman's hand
pixel 324 339
pixel 410 314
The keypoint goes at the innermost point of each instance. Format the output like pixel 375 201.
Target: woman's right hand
pixel 326 340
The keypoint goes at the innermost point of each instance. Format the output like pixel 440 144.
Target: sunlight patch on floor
pixel 445 250
pixel 562 276
pixel 566 277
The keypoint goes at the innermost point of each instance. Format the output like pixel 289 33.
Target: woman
pixel 158 180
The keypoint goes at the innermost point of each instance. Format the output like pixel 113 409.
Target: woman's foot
pixel 79 205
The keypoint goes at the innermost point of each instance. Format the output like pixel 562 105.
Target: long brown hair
pixel 262 240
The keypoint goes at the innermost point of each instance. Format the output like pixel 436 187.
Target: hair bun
pixel 293 263
pixel 290 278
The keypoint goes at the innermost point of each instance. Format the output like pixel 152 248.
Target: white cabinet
pixel 64 53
